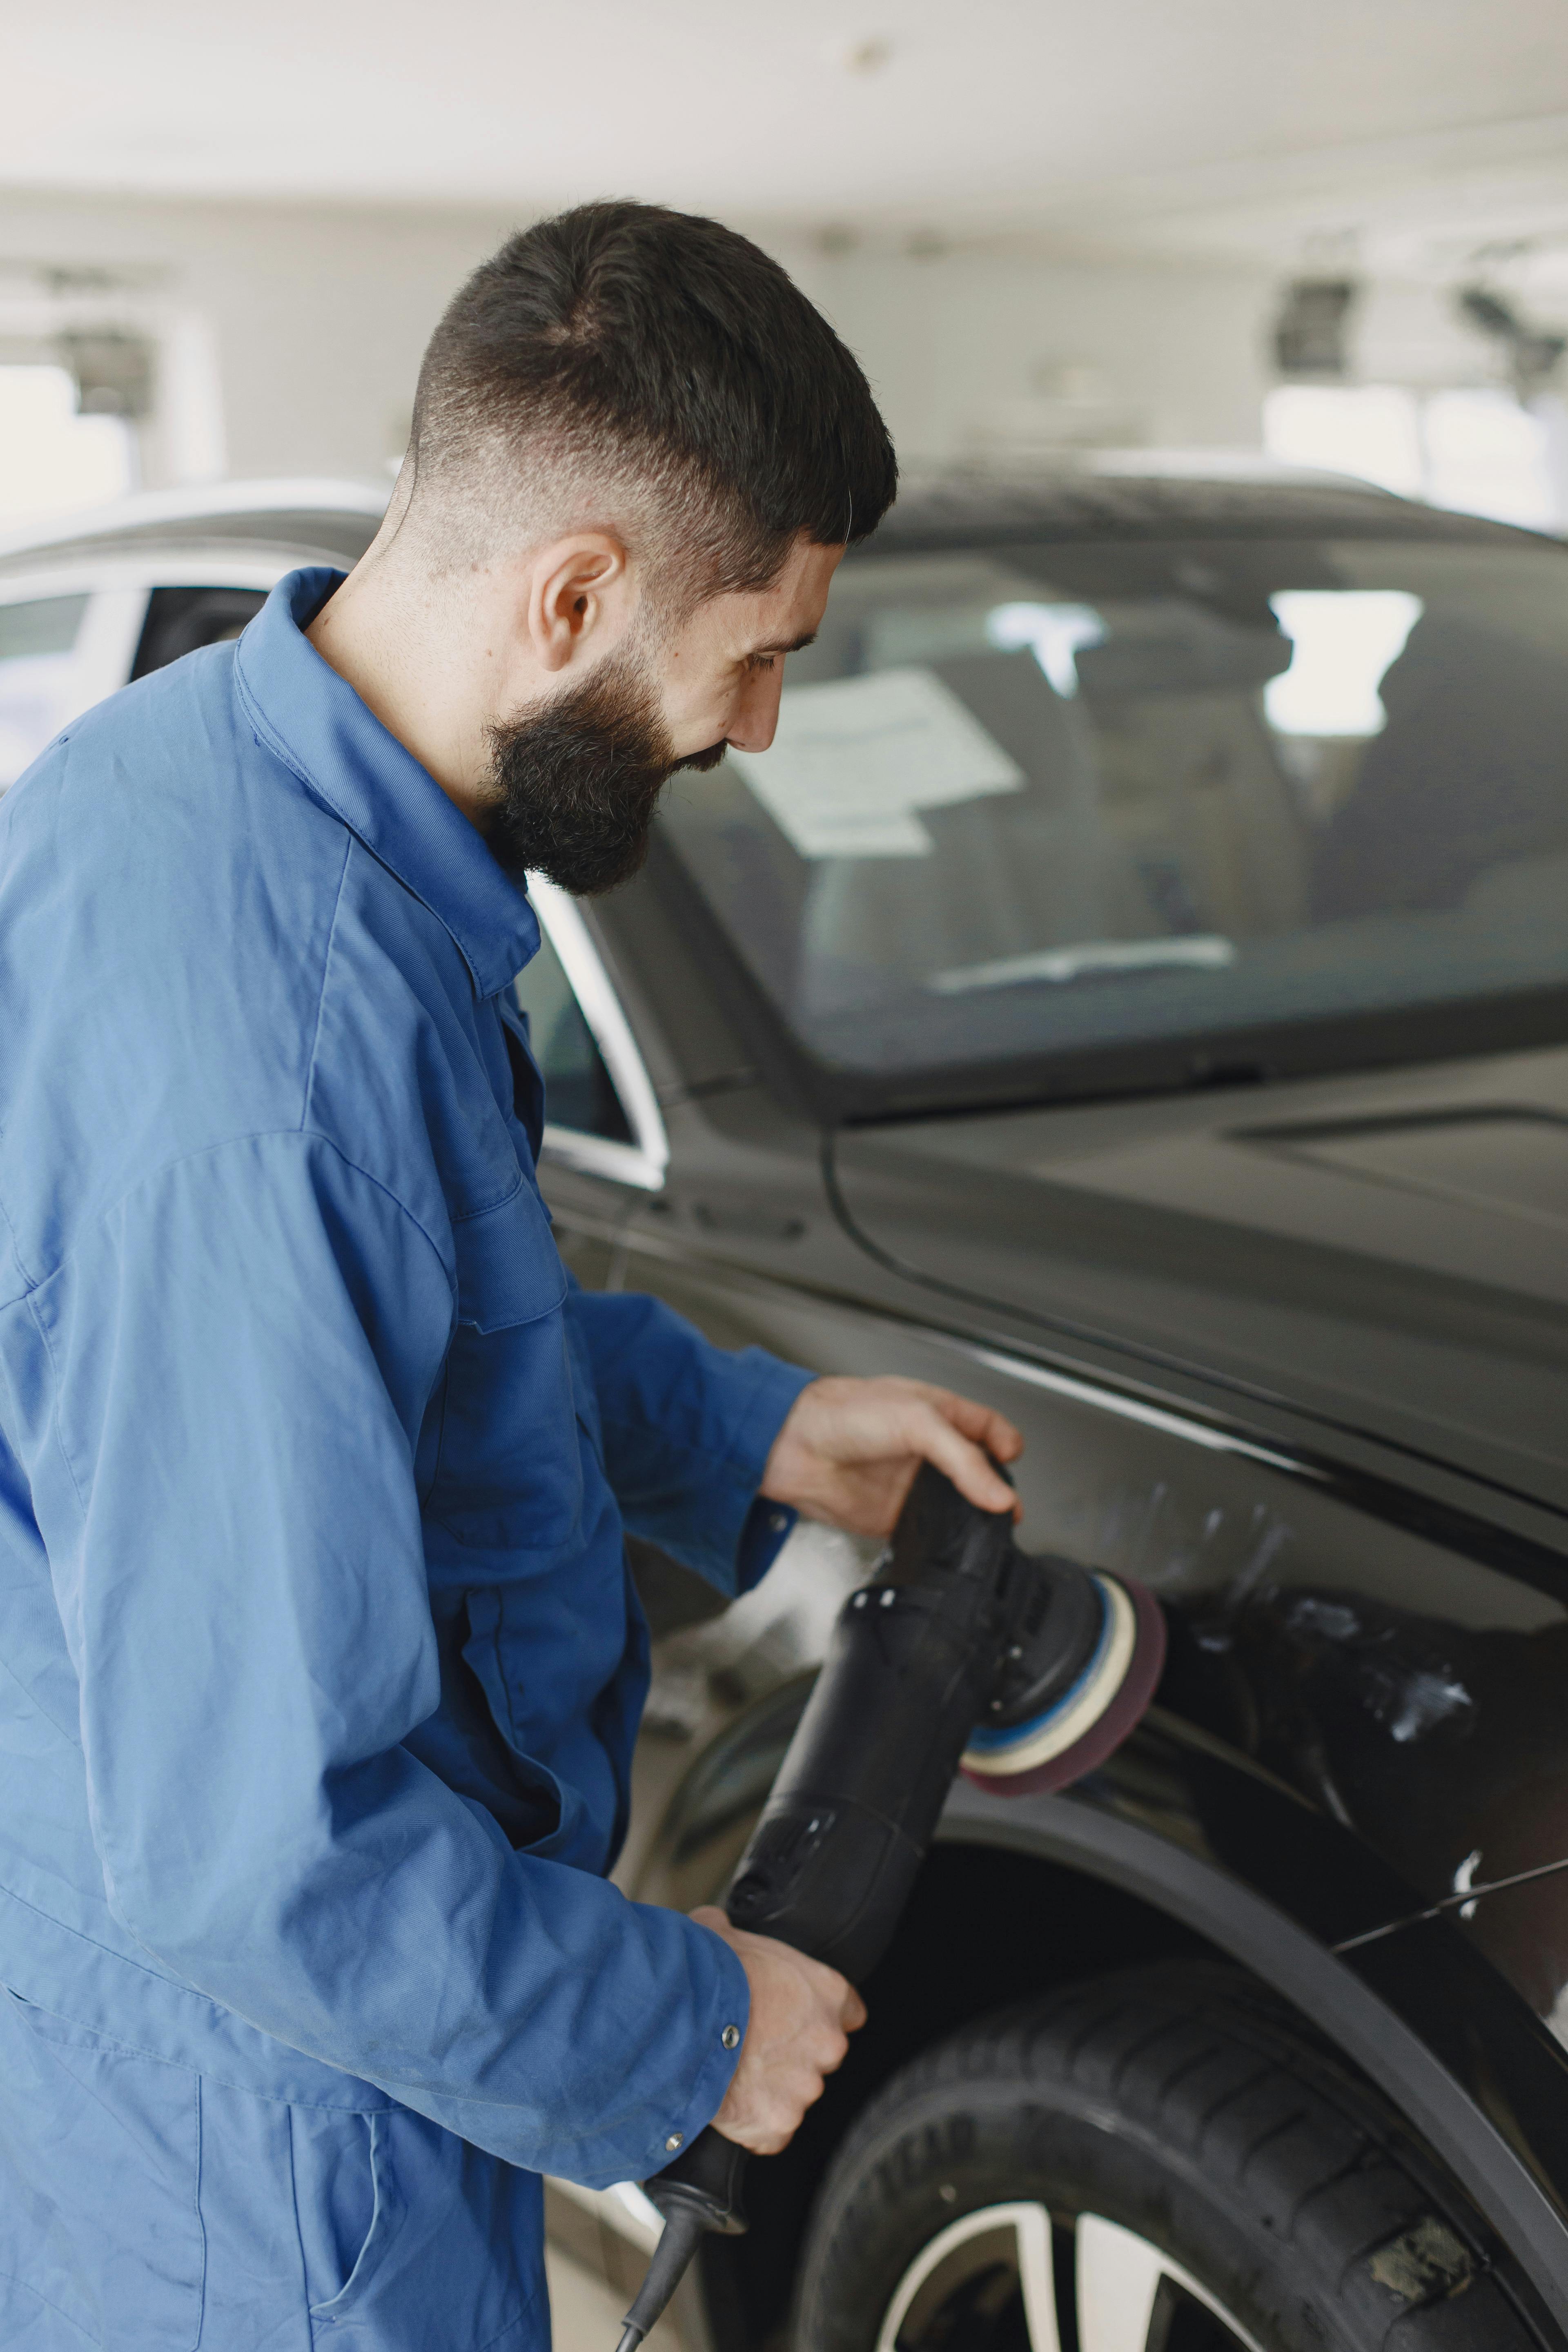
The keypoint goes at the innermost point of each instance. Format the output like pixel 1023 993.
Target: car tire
pixel 1157 2162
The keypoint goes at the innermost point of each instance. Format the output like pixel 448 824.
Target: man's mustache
pixel 703 762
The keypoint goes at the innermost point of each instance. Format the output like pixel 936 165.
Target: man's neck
pixel 381 634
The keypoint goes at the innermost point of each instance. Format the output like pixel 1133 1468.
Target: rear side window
pixel 37 677
pixel 182 620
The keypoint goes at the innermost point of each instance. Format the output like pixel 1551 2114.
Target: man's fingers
pixel 967 1464
pixel 848 1448
pixel 985 1437
pixel 991 1429
pixel 844 2001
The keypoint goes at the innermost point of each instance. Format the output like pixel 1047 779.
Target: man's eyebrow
pixel 799 647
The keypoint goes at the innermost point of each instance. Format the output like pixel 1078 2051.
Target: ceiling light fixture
pixel 1310 330
pixel 864 53
pixel 1532 353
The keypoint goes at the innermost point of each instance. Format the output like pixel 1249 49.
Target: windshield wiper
pixel 1091 959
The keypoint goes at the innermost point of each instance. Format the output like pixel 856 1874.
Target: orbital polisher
pixel 963 1655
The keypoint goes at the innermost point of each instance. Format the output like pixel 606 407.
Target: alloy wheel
pixel 994 2280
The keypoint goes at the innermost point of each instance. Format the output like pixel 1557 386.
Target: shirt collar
pixel 314 721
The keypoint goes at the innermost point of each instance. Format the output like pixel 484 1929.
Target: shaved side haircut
pixel 626 367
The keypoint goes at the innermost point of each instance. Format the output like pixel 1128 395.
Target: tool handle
pixel 707 2178
pixel 830 1864
pixel 683 2232
pixel 699 2191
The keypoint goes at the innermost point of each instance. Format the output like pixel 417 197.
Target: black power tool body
pixel 962 1654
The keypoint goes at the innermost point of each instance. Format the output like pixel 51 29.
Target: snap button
pixel 779 1521
pixel 674 2141
pixel 730 2037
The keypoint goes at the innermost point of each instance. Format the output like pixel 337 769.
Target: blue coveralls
pixel 319 1668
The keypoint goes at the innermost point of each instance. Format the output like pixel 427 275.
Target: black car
pixel 1133 990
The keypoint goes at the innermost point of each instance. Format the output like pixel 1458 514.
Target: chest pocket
pixel 510 1471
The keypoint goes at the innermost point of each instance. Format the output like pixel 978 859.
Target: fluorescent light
pixel 1344 639
pixel 1053 633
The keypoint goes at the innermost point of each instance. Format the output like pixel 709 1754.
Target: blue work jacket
pixel 321 1665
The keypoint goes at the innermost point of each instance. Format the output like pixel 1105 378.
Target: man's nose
pixel 756 721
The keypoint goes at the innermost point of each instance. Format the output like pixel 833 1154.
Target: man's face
pixel 720 676
pixel 576 779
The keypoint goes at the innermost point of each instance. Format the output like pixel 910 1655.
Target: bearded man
pixel 322 1664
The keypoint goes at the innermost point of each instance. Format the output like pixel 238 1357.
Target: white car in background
pixel 93 600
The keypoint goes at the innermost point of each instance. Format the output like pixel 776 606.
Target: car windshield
pixel 1058 801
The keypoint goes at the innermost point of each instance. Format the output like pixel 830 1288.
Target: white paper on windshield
pixel 856 759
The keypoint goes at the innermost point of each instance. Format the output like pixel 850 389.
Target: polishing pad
pixel 1087 1722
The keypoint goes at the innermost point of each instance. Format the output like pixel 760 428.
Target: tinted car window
pixel 579 1092
pixel 37 677
pixel 180 620
pixel 1063 798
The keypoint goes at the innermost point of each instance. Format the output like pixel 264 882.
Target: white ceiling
pixel 1248 126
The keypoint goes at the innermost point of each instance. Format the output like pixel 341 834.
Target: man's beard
pixel 577 780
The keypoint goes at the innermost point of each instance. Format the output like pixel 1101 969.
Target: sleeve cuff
pixel 728 2011
pixel 766 1530
pixel 767 1526
pixel 777 1387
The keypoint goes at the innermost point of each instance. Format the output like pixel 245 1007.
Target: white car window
pixel 37 677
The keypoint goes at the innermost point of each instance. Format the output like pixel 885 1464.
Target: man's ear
pixel 580 594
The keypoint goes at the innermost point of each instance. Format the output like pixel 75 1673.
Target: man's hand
pixel 802 2016
pixel 850 1451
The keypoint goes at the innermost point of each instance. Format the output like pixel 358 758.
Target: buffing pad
pixel 1090 1719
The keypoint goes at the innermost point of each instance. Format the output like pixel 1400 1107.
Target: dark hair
pixel 656 345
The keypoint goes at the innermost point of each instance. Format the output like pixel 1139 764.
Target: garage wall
pixel 301 327
pixel 291 336
pixel 974 350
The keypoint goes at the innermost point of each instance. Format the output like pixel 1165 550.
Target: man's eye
pixel 760 661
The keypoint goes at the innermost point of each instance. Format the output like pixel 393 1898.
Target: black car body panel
pixel 1388 1253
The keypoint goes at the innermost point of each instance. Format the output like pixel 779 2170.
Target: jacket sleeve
pixel 244 1355
pixel 687 1428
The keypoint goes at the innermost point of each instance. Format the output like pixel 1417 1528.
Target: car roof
pixel 1073 495
pixel 1159 495
pixel 333 519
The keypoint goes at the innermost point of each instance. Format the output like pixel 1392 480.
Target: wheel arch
pixel 1020 1895
pixel 989 1925
pixel 1417 2011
